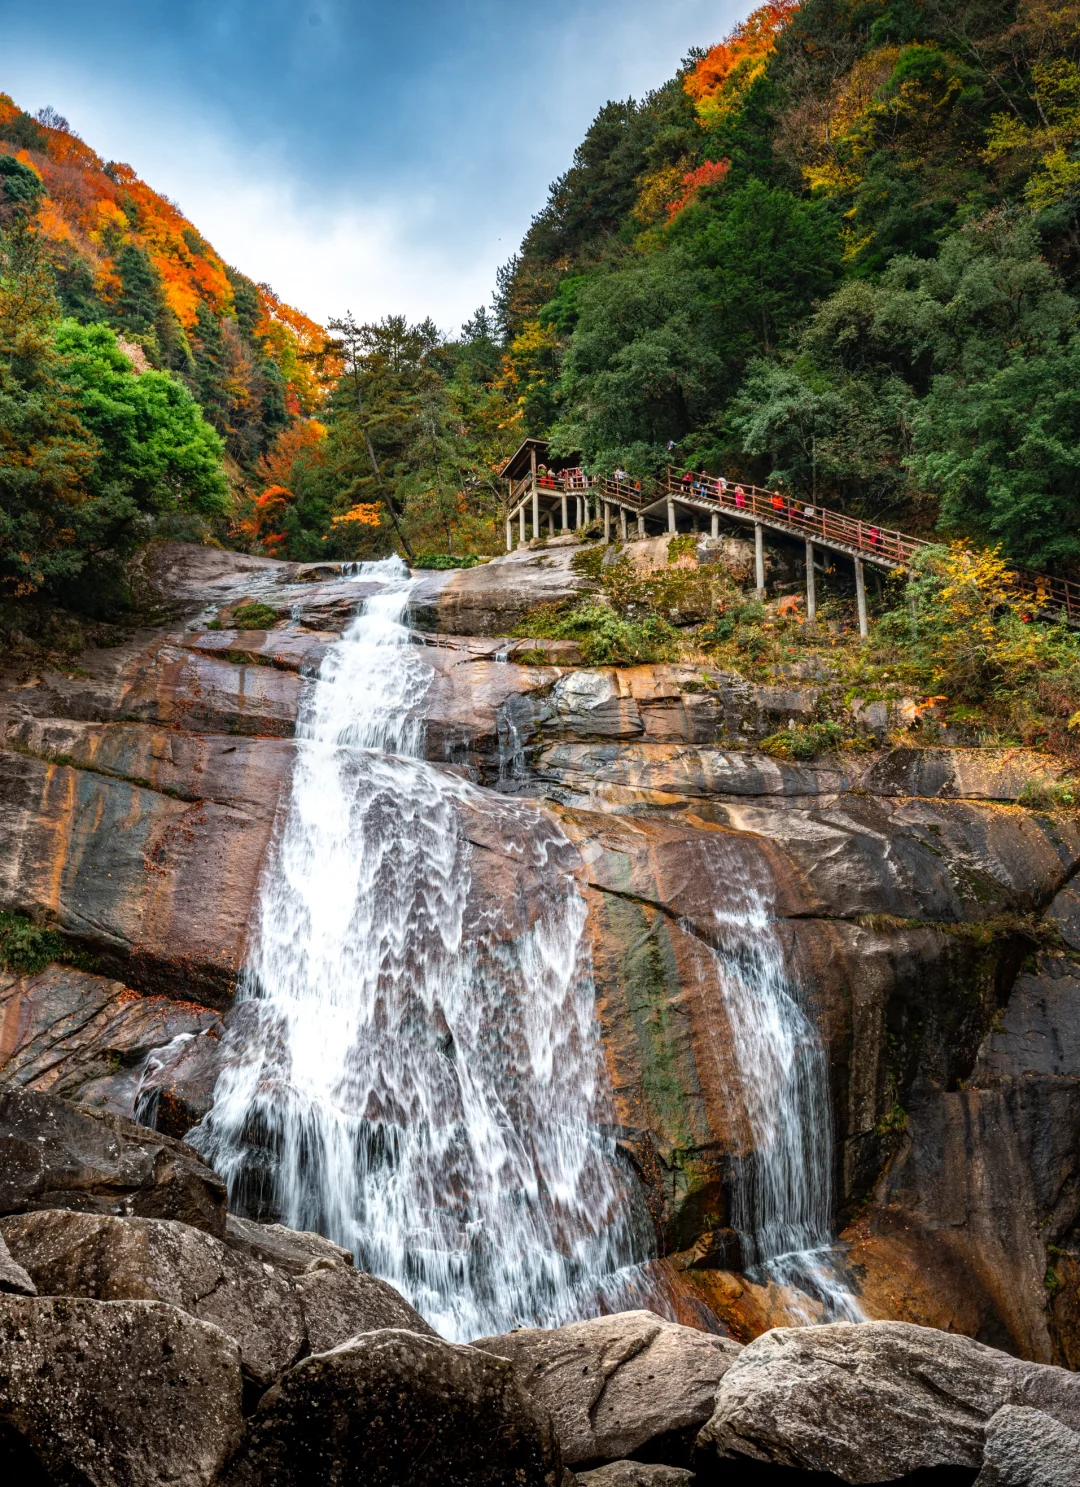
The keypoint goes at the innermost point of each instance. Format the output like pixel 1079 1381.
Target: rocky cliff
pixel 929 915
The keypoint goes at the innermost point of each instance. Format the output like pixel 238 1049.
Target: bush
pixel 804 740
pixel 25 949
pixel 605 637
pixel 254 617
pixel 442 560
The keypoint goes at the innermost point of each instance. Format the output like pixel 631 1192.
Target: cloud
pixel 385 159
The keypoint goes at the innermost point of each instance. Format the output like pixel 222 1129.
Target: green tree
pixel 155 452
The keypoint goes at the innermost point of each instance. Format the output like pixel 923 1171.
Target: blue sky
pixel 355 155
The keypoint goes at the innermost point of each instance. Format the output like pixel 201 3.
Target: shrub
pixel 254 617
pixel 442 560
pixel 804 740
pixel 25 949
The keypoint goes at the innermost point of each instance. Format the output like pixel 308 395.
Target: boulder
pixel 1027 1448
pixel 275 1314
pixel 395 1409
pixel 492 598
pixel 872 1401
pixel 620 1385
pixel 54 1155
pixel 13 1278
pixel 635 1474
pixel 118 1393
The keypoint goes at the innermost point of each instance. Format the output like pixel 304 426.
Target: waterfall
pixel 412 1074
pixel 782 1208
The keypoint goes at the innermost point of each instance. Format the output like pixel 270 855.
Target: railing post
pixel 671 515
pixel 759 559
pixel 811 589
pixel 509 536
pixel 860 596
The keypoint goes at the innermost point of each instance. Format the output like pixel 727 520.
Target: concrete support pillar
pixel 716 524
pixel 759 559
pixel 641 526
pixel 622 523
pixel 671 515
pixel 509 535
pixel 551 523
pixel 607 521
pixel 536 512
pixel 860 596
pixel 579 508
pixel 565 523
pixel 521 523
pixel 811 591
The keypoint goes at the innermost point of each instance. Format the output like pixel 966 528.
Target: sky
pixel 374 157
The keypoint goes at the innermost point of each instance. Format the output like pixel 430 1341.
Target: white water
pixel 783 1190
pixel 417 1078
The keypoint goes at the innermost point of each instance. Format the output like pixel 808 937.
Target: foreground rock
pixel 635 1474
pixel 1026 1448
pixel 53 1155
pixel 118 1394
pixel 875 1400
pixel 393 1409
pixel 274 1316
pixel 621 1384
pixel 13 1278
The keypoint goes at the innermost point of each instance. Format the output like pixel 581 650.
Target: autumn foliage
pixel 709 174
pixel 723 76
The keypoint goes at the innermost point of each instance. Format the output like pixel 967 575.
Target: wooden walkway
pixel 568 500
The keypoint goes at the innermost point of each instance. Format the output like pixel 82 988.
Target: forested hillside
pixel 839 250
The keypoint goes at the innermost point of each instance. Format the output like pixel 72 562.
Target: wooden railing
pixel 869 540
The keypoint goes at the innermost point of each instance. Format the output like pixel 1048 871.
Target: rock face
pixel 13 1278
pixel 53 1155
pixel 874 1401
pixel 908 889
pixel 393 1409
pixel 1028 1448
pixel 121 1394
pixel 620 1385
pixel 275 1316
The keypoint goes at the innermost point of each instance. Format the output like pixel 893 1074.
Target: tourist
pixel 740 497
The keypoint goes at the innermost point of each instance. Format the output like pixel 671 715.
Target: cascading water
pixel 783 1189
pixel 410 1076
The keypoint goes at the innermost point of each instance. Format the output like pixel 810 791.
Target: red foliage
pixel 709 174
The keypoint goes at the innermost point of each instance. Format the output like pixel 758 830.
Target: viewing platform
pixel 547 502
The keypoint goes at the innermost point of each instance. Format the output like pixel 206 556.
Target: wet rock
pixel 83 1037
pixel 120 1394
pixel 276 1313
pixel 620 1384
pixel 493 598
pixel 875 1400
pixel 13 1278
pixel 160 888
pixel 53 1155
pixel 395 1409
pixel 972 1224
pixel 964 774
pixel 248 773
pixel 287 650
pixel 635 1474
pixel 1028 1448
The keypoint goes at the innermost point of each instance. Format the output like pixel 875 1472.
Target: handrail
pixel 869 540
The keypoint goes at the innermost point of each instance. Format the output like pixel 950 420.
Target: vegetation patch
pixel 254 617
pixel 444 560
pixel 26 949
